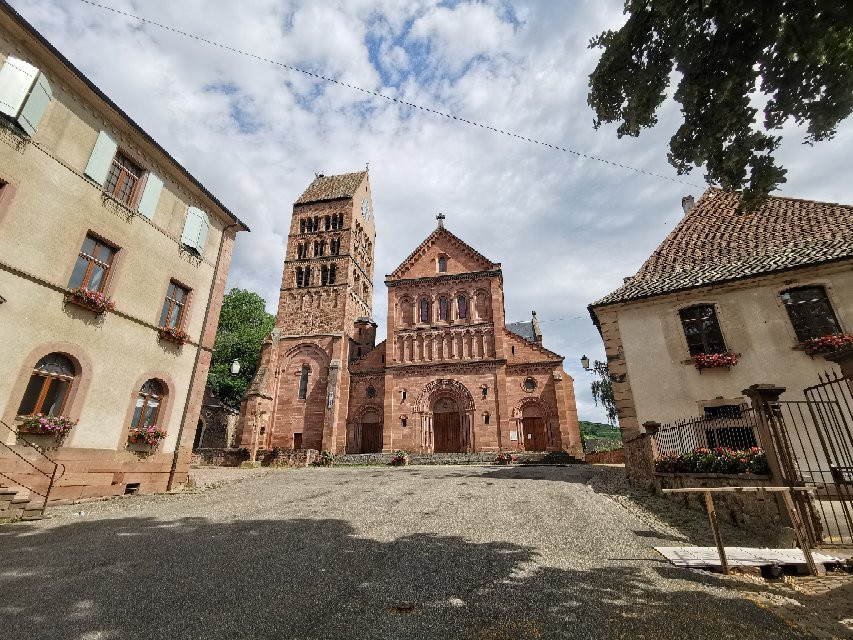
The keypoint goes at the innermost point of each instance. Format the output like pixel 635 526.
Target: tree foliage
pixel 602 391
pixel 243 325
pixel 797 53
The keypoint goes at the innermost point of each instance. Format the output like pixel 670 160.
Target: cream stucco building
pixel 89 201
pixel 756 286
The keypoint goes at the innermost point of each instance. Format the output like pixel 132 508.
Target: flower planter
pixel 714 360
pixel 827 344
pixel 145 437
pixel 400 459
pixel 505 458
pixel 175 336
pixel 94 301
pixel 42 425
pixel 720 460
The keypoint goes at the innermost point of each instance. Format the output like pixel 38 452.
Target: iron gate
pixel 815 447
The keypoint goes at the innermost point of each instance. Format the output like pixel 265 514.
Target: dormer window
pixel 442 264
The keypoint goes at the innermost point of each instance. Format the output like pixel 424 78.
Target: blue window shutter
pixel 35 105
pixel 150 196
pixel 101 158
pixel 16 80
pixel 195 229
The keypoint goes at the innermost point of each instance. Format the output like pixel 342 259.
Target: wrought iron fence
pixel 731 427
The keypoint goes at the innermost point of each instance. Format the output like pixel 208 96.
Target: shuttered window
pixel 24 93
pixel 195 230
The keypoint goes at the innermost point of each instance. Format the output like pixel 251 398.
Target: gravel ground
pixel 485 553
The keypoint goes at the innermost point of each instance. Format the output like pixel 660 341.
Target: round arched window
pixel 48 387
pixel 371 391
pixel 529 384
pixel 147 408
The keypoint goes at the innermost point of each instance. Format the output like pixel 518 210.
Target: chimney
pixel 687 203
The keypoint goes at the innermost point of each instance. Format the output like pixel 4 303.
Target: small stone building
pixel 755 286
pixel 452 375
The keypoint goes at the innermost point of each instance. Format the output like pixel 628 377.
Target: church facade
pixel 451 376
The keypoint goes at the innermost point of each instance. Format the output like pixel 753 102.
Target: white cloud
pixel 565 229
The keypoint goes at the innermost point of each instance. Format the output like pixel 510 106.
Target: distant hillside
pixel 599 430
pixel 597 436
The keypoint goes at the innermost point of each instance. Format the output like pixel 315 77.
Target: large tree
pixel 792 59
pixel 243 325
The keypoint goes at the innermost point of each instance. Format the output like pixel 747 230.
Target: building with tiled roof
pixel 451 377
pixel 755 288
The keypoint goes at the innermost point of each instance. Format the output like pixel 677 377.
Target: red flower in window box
pixel 173 334
pixel 92 300
pixel 827 344
pixel 714 360
pixel 400 459
pixel 46 425
pixel 149 435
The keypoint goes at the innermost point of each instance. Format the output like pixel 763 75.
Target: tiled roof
pixel 523 330
pixel 332 187
pixel 714 243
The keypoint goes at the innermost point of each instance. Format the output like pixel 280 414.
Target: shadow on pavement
pixel 139 579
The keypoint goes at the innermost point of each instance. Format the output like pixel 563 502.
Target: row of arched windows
pixel 303 248
pixel 331 222
pixel 328 275
pixel 53 378
pixel 444 308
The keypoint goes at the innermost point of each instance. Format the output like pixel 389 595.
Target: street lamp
pixel 235 367
pixel 584 362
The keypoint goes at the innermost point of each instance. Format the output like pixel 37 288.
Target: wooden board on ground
pixel 738 556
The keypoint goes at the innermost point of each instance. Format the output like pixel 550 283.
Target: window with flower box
pixel 93 265
pixel 50 382
pixel 702 330
pixel 810 312
pixel 147 408
pixel 172 315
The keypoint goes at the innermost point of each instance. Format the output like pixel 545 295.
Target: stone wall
pixel 219 457
pixel 617 456
pixel 755 511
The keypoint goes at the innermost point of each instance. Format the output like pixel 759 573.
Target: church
pixel 452 375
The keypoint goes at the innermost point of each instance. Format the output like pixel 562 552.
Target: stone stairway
pixel 522 458
pixel 19 504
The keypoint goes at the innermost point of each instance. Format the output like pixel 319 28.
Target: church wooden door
pixel 534 434
pixel 446 432
pixel 371 437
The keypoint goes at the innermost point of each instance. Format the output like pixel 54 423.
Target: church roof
pixel 523 330
pixel 441 233
pixel 714 243
pixel 332 187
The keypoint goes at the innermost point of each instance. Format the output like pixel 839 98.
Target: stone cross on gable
pixel 440 218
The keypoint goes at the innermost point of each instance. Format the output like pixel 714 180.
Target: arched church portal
pixel 533 432
pixel 447 412
pixel 370 432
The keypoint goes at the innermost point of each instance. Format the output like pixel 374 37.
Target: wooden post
pixel 715 527
pixel 800 532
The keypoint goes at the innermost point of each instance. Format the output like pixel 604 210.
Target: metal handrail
pixel 52 476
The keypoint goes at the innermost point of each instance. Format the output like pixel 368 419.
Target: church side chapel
pixel 452 376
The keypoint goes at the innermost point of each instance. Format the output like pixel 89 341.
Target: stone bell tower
pixel 299 396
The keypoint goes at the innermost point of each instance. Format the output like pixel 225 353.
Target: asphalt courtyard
pixel 486 553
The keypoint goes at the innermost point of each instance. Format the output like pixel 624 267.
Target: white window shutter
pixel 150 196
pixel 195 230
pixel 16 80
pixel 101 158
pixel 35 105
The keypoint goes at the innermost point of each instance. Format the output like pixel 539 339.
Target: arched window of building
pixel 303 382
pixel 424 311
pixel 442 264
pixel 442 308
pixel 298 276
pixel 462 306
pixel 148 401
pixel 333 272
pixel 48 388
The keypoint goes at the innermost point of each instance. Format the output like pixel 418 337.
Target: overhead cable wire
pixel 384 96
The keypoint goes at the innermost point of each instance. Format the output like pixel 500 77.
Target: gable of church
pixel 459 257
pixel 521 350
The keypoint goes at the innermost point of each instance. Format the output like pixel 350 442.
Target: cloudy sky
pixel 566 229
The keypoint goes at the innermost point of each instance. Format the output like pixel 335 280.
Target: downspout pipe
pixel 213 280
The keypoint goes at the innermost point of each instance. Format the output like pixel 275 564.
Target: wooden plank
pixel 769 489
pixel 715 527
pixel 800 532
